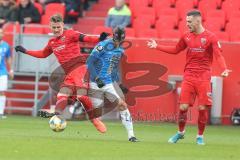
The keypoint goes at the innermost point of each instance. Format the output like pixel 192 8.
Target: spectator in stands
pixel 5 62
pixel 120 15
pixel 6 10
pixel 73 9
pixel 26 13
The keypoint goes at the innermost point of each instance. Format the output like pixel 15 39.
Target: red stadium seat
pixel 235 36
pixel 45 19
pixel 222 36
pixel 219 14
pixel 107 2
pixel 90 21
pixel 214 24
pixel 168 12
pixel 142 3
pixel 158 4
pixel 33 29
pixel 140 11
pixel 146 33
pixel 141 23
pixel 39 7
pixel 100 7
pixel 208 5
pixel 166 22
pixel 11 27
pixel 231 5
pixel 54 8
pixel 149 18
pixel 130 32
pixel 169 34
pixel 84 28
pixel 99 29
pixel 231 27
pixel 185 4
pixel 96 14
pixel 182 26
pixel 232 15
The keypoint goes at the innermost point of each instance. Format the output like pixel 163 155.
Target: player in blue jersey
pixel 103 67
pixel 5 56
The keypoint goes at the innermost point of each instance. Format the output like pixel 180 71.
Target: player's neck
pixel 200 30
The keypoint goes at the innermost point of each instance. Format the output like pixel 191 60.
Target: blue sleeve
pixel 90 66
pixel 8 52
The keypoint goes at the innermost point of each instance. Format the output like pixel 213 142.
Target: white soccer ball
pixel 57 124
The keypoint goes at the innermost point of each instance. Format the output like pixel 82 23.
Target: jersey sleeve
pixel 217 51
pixel 41 53
pixel 8 52
pixel 78 36
pixel 181 45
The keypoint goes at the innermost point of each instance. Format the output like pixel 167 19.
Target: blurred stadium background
pixel 163 20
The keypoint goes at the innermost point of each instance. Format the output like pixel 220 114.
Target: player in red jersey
pixel 65 46
pixel 201 46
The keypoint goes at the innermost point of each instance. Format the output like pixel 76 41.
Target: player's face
pixel 1 34
pixel 57 28
pixel 191 23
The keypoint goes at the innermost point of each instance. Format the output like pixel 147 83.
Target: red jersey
pixel 65 47
pixel 200 51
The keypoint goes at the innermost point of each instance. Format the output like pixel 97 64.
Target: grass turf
pixel 28 138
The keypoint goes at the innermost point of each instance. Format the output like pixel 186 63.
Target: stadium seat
pixel 141 23
pixel 158 4
pixel 99 29
pixel 142 3
pixel 222 36
pixel 186 4
pixel 11 27
pixel 90 21
pixel 232 27
pixel 169 12
pixel 214 24
pixel 39 7
pixel 232 15
pixel 182 26
pixel 219 14
pixel 96 14
pixel 45 19
pixel 130 32
pixel 235 37
pixel 106 2
pixel 85 28
pixel 146 33
pixel 169 34
pixel 54 8
pixel 166 22
pixel 208 5
pixel 33 29
pixel 230 6
pixel 140 11
pixel 100 7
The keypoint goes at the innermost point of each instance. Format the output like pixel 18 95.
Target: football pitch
pixel 27 138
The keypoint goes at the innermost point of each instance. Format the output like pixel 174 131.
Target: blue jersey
pixel 104 62
pixel 4 54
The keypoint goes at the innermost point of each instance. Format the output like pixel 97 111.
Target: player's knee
pixel 184 107
pixel 65 91
pixel 82 92
pixel 61 96
pixel 122 105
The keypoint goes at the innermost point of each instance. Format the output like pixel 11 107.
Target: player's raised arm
pixel 91 38
pixel 181 45
pixel 216 46
pixel 38 54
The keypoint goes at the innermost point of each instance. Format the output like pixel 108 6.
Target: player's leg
pixel 205 101
pixel 62 101
pixel 3 87
pixel 187 97
pixel 115 95
pixel 88 106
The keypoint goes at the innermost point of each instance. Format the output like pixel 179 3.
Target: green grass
pixel 27 138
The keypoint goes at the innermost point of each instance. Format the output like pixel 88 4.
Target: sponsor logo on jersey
pixel 59 48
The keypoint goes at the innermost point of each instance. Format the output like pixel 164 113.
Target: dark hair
pixel 56 18
pixel 194 13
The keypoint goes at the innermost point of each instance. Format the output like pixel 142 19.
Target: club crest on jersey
pixel 203 41
pixel 99 48
pixel 63 38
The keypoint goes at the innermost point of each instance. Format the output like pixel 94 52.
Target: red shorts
pixel 77 78
pixel 194 88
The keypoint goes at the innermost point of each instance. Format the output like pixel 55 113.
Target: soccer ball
pixel 57 124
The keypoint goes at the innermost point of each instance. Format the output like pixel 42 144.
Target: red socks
pixel 202 120
pixel 182 119
pixel 61 103
pixel 87 103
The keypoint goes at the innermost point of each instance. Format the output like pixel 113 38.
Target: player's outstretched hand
pixel 20 49
pixel 226 73
pixel 123 88
pixel 99 82
pixel 152 43
pixel 103 36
